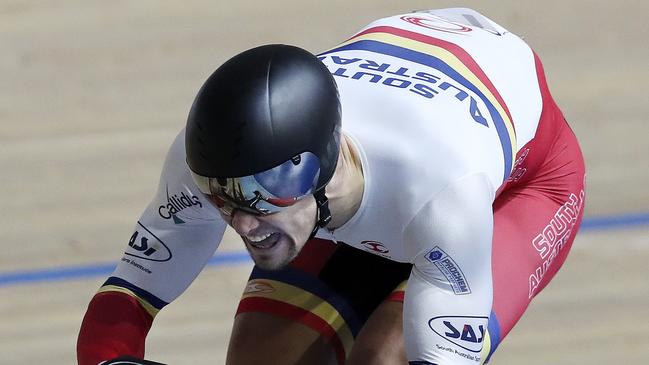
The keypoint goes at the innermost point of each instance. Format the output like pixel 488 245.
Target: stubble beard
pixel 275 263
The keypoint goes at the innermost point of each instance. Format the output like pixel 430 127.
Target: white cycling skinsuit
pixel 439 105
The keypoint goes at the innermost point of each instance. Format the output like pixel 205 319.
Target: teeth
pixel 256 239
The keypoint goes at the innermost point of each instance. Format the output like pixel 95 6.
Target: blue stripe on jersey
pixel 152 299
pixel 494 334
pixel 438 64
pixel 313 285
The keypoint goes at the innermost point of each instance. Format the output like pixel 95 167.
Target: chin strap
pixel 323 213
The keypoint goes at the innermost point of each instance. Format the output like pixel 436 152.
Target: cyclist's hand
pixel 129 360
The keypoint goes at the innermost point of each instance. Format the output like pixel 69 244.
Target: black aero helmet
pixel 265 128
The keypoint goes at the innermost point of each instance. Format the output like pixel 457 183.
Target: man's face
pixel 274 240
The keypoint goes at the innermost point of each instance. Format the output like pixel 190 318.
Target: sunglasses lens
pixel 266 192
pixel 292 179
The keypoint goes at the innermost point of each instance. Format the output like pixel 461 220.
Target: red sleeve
pixel 115 324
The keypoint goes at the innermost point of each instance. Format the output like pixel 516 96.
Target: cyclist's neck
pixel 345 190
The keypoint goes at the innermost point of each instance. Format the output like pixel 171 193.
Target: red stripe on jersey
pixel 314 256
pixel 256 304
pixel 396 296
pixel 456 50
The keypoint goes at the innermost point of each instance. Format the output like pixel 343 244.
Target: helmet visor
pixel 265 192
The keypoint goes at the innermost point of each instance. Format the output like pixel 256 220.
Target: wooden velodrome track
pixel 92 93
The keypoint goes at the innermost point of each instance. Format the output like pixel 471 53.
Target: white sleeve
pixel 449 295
pixel 174 238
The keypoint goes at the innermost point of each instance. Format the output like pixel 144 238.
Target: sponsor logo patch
pixel 147 246
pixel 555 235
pixel 466 332
pixel 258 287
pixel 437 23
pixel 450 270
pixel 375 246
pixel 175 204
pixel 518 170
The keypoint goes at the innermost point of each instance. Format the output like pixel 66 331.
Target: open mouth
pixel 263 242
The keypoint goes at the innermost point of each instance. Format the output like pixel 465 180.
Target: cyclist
pixel 403 195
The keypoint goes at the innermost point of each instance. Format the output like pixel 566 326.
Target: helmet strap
pixel 323 213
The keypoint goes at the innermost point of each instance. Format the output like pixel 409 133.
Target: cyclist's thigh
pixel 324 296
pixel 380 341
pixel 261 338
pixel 535 223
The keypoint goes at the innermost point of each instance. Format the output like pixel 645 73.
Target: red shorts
pixel 536 216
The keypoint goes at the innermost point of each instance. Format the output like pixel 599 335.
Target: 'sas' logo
pixel 256 287
pixel 375 246
pixel 466 332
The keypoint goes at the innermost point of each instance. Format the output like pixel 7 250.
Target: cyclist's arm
pixel 449 294
pixel 171 243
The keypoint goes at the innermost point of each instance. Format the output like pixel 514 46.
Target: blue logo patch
pixel 435 255
pixel 467 332
pixel 450 270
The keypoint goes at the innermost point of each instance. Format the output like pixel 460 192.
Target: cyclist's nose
pixel 244 223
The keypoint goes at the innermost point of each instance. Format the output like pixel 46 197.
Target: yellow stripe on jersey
pixel 486 348
pixel 454 58
pixel 305 300
pixel 153 311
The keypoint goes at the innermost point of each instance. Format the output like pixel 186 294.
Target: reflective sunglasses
pixel 265 192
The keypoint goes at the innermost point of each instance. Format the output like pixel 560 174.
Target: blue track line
pixel 97 270
pixel 614 222
pixel 602 223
